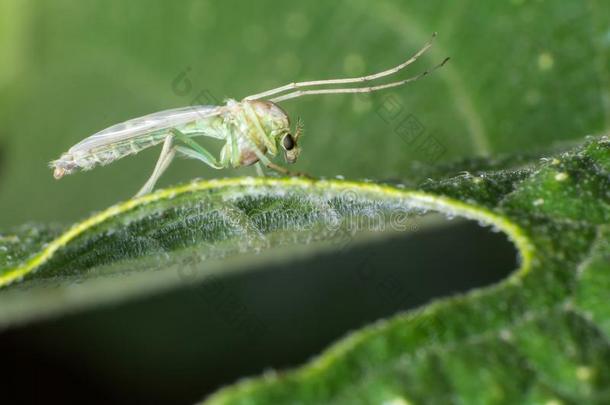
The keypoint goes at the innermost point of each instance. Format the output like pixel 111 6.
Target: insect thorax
pixel 257 124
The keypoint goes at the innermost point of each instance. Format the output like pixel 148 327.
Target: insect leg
pixel 259 170
pixel 259 134
pixel 166 157
pixel 204 156
pixel 283 170
pixel 248 112
pixel 196 151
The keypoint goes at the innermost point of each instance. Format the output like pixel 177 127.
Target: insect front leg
pixel 167 155
pixel 283 170
pixel 268 163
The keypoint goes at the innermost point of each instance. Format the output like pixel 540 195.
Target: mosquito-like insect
pixel 250 129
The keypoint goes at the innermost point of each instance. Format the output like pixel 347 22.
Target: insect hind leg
pixel 194 151
pixel 165 158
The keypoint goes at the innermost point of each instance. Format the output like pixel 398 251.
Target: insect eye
pixel 288 142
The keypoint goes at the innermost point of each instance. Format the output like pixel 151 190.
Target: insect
pixel 251 129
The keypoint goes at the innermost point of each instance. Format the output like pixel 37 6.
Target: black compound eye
pixel 288 142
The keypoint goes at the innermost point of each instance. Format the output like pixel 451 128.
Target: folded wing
pixel 146 124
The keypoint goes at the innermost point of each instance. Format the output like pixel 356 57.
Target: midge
pixel 251 129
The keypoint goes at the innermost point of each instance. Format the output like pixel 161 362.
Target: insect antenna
pixel 368 89
pixel 375 76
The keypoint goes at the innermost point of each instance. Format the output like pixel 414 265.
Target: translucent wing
pixel 146 124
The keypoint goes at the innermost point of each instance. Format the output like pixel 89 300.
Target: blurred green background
pixel 524 76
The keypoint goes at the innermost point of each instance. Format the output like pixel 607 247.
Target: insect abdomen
pixel 109 153
pixel 92 152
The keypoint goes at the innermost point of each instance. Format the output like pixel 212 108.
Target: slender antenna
pixel 292 86
pixel 370 89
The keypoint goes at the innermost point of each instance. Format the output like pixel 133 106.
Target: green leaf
pixel 539 336
pixel 155 242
